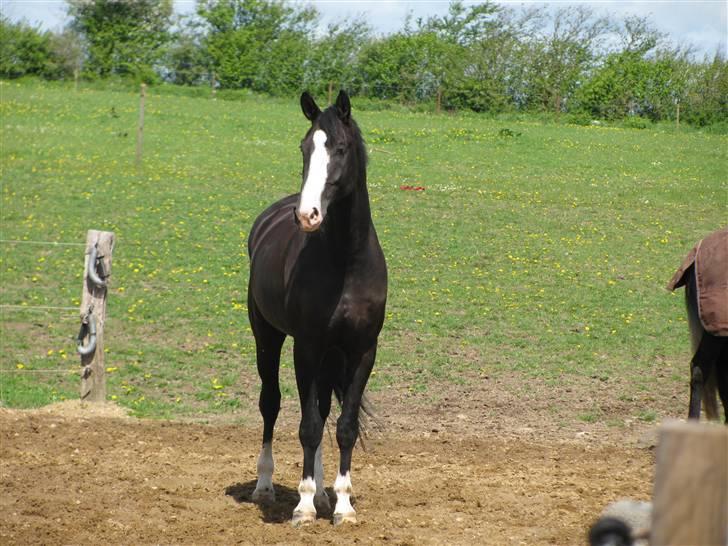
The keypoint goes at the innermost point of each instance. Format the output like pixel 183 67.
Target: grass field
pixel 536 250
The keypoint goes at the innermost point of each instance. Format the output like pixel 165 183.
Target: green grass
pixel 542 250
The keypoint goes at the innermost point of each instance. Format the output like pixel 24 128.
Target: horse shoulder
pixel 362 304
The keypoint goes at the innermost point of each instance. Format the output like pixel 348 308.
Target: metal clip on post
pixel 94 262
pixel 88 326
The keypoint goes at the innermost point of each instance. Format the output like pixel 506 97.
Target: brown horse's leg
pixel 722 377
pixel 696 388
pixel 707 373
pixel 268 343
pixel 347 431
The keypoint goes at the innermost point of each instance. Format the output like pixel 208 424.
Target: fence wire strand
pixel 36 307
pixel 46 243
pixel 76 371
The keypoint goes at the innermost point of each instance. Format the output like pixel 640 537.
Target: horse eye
pixel 340 150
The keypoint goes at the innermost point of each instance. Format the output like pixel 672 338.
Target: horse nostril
pixel 314 214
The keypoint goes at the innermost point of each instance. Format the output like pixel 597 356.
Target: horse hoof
pixel 302 518
pixel 344 518
pixel 264 496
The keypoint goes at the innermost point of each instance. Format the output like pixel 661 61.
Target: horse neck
pixel 350 222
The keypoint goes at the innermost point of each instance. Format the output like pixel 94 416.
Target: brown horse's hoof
pixel 344 518
pixel 303 518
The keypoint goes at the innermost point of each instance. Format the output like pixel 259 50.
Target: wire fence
pixel 46 243
pixel 64 313
pixel 20 368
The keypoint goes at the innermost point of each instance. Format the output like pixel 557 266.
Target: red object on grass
pixel 412 188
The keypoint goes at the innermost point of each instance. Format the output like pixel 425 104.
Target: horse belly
pixel 272 236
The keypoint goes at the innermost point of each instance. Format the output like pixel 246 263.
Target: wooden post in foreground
pixel 140 130
pixel 93 299
pixel 690 498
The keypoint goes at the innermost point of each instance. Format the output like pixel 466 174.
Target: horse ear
pixel 343 104
pixel 309 107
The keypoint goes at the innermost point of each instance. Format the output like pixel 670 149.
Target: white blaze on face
pixel 309 209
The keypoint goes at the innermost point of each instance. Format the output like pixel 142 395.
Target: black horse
pixel 318 274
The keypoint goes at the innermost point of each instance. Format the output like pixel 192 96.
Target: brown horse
pixel 704 273
pixel 317 273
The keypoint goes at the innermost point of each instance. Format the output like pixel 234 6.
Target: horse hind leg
pixel 268 343
pixel 325 389
pixel 707 375
pixel 696 388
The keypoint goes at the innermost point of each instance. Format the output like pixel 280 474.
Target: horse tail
pixel 706 367
pixel 367 413
pixel 691 302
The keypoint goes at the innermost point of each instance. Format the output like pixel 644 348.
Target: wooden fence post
pixel 331 91
pixel 93 376
pixel 677 115
pixel 213 84
pixel 438 101
pixel 690 498
pixel 140 130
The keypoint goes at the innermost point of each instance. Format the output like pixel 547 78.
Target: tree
pixel 334 57
pixel 66 59
pixel 454 51
pixel 645 77
pixel 707 91
pixel 122 37
pixel 24 50
pixel 187 61
pixel 562 54
pixel 258 44
pixel 435 55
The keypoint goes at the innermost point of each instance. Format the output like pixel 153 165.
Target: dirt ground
pixel 451 470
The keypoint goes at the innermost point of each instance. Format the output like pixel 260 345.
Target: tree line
pixel 480 57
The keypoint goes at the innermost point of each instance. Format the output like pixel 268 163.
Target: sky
pixel 702 23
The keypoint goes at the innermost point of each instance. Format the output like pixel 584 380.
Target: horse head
pixel 332 159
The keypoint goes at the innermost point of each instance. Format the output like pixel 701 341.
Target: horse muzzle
pixel 309 220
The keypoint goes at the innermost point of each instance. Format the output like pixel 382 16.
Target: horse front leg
pixel 307 363
pixel 347 431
